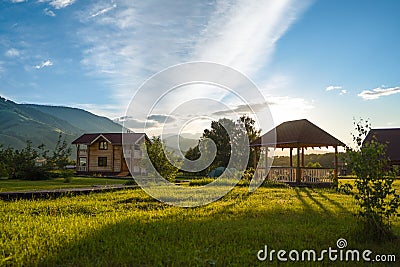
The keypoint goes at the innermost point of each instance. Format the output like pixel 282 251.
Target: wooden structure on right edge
pixel 297 135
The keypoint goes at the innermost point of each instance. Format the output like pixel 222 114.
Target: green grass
pixel 129 228
pixel 21 185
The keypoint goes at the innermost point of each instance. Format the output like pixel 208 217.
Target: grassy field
pixel 128 228
pixel 19 185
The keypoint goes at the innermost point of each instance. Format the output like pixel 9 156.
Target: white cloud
pixel 378 92
pixel 49 12
pixel 103 11
pixel 243 34
pixel 58 4
pixel 18 1
pixel 12 52
pixel 46 63
pixel 333 87
pixel 343 92
pixel 138 39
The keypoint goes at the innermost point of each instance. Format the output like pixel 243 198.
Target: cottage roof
pixel 298 133
pixel 113 138
pixel 390 137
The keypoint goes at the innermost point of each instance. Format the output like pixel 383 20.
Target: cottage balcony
pixel 81 168
pixel 82 153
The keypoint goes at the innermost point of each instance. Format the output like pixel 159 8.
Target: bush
pixel 374 194
pixel 130 182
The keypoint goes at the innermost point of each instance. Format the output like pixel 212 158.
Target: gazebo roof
pixel 298 133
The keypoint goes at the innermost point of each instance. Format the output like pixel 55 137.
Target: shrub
pixel 374 194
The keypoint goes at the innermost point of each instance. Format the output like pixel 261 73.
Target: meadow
pixel 7 185
pixel 129 228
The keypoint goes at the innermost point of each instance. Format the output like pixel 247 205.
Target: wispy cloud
pixel 103 11
pixel 18 1
pixel 46 63
pixel 343 92
pixel 333 87
pixel 378 92
pixel 138 39
pixel 12 52
pixel 243 109
pixel 49 12
pixel 58 4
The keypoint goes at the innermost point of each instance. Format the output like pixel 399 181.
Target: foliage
pixel 252 134
pixel 374 193
pixel 224 143
pixel 61 154
pixel 21 163
pixel 313 165
pixel 158 159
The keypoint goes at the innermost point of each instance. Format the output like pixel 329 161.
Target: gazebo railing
pixel 288 174
pixel 316 175
pixel 282 174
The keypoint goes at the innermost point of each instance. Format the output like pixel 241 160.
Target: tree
pixel 159 157
pixel 252 134
pixel 377 200
pixel 61 153
pixel 242 128
pixel 24 163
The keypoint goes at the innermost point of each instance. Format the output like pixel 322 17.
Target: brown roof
pixel 390 137
pixel 298 133
pixel 113 138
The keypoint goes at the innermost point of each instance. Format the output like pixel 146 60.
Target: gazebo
pixel 299 135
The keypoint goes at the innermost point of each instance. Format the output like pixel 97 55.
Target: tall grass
pixel 130 228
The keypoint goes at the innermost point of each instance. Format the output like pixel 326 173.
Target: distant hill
pixel 176 143
pixel 42 124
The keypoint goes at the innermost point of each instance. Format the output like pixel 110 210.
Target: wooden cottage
pixel 110 153
pixel 389 137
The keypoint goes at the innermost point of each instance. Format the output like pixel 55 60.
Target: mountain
pixel 42 124
pixel 179 142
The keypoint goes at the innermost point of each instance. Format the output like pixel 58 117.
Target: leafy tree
pixel 24 163
pixel 224 143
pixel 313 165
pixel 377 200
pixel 61 153
pixel 159 157
pixel 252 134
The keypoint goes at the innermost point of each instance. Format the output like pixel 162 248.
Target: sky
pixel 331 62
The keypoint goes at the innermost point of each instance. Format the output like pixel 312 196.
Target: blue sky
pixel 327 61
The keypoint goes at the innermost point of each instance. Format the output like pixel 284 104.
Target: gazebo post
pixel 298 172
pixel 302 157
pixel 291 157
pixel 336 166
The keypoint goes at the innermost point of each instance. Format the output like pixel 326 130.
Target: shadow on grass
pixel 333 202
pixel 192 237
pixel 192 242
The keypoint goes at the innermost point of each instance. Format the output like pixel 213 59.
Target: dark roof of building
pixel 390 137
pixel 298 133
pixel 113 138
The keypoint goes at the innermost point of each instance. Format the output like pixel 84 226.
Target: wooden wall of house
pixel 117 158
pixel 95 153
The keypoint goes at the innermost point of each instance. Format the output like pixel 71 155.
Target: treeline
pixel 310 160
pixel 35 163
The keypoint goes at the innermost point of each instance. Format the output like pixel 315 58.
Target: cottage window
pixel 137 147
pixel 103 145
pixel 102 162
